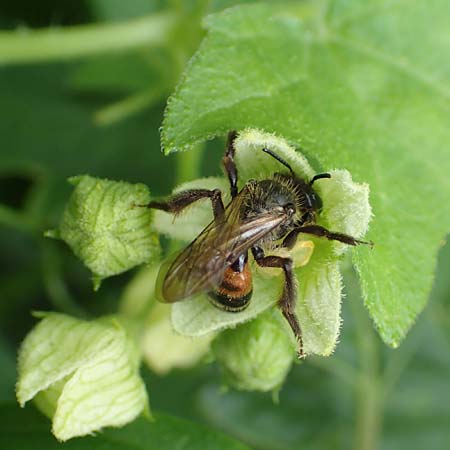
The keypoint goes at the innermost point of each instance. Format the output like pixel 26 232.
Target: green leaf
pixel 359 86
pixel 21 428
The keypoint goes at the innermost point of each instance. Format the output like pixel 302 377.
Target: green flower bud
pixel 162 348
pixel 104 227
pixel 257 355
pixel 83 375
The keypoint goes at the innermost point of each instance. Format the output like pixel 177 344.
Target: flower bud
pixel 105 227
pixel 164 349
pixel 257 355
pixel 83 375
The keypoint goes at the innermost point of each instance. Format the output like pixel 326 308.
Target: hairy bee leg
pixel 290 240
pixel 288 298
pixel 320 231
pixel 229 164
pixel 182 200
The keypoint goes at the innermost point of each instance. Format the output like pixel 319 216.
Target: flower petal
pixel 346 206
pixel 319 305
pixel 106 392
pixel 55 348
pixel 84 374
pixel 252 162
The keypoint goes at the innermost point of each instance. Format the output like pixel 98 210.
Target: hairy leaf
pixel 361 86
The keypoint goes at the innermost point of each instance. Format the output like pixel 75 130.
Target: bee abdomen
pixel 235 291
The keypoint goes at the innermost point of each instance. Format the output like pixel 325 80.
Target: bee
pixel 265 214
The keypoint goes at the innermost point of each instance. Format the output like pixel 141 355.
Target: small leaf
pixel 105 228
pixel 84 375
pixel 358 87
pixel 347 206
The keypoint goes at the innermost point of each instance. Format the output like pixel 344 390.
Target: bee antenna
pixel 318 177
pixel 279 159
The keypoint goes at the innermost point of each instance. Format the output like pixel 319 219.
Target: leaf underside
pixel 361 86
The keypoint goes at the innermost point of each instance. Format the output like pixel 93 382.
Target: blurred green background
pixel 100 114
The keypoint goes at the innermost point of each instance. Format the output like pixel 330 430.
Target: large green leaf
pixel 358 85
pixel 21 429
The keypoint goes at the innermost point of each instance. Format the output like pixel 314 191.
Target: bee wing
pixel 200 267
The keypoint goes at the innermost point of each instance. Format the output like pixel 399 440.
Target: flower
pixel 346 209
pixel 83 375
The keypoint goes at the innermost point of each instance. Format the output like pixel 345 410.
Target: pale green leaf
pixel 106 226
pixel 84 374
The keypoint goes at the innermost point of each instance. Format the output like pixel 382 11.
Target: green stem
pixel 26 46
pixel 337 367
pixel 368 393
pixel 56 289
pixel 189 164
pixel 125 108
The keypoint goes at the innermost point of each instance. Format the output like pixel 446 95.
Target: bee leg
pixel 178 202
pixel 290 240
pixel 229 164
pixel 288 298
pixel 319 231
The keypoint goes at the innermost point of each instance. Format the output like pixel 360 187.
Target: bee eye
pixel 317 202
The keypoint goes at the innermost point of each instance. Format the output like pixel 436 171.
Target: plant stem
pixel 189 164
pixel 368 393
pixel 25 46
pixel 55 287
pixel 129 106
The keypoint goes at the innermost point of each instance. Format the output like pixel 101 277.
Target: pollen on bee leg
pixel 301 254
